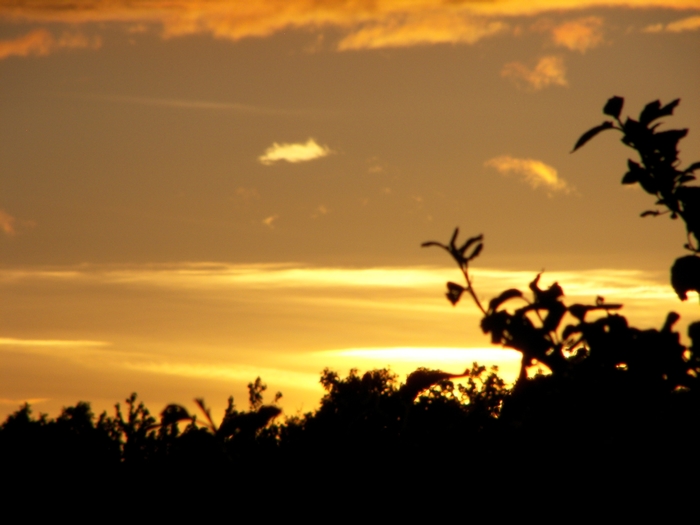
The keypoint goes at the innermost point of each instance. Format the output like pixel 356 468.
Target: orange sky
pixel 196 193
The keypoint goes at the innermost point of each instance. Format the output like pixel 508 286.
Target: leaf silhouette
pixel 470 242
pixel 694 166
pixel 650 112
pixel 635 173
pixel 454 237
pixel 476 251
pixel 588 135
pixel 505 296
pixel 614 106
pixel 667 110
pixel 454 292
pixel 685 275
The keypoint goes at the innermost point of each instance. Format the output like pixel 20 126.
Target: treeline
pixel 371 424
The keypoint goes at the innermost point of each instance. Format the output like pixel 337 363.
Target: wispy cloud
pixel 549 71
pixel 195 104
pixel 295 152
pixel 41 43
pixel 535 172
pixel 579 35
pixel 691 23
pixel 361 24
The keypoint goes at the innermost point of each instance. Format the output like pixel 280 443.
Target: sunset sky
pixel 195 193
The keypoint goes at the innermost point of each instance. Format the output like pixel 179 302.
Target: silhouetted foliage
pixel 659 175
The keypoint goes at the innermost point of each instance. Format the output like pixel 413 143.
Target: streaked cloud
pixel 549 71
pixel 362 25
pixel 227 372
pixel 7 223
pixel 579 35
pixel 60 343
pixel 40 42
pixel 294 152
pixel 630 284
pixel 691 23
pixel 535 172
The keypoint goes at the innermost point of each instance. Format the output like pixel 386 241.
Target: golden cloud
pixel 549 71
pixel 296 152
pixel 41 43
pixel 406 32
pixel 579 35
pixel 535 172
pixel 691 23
pixel 368 23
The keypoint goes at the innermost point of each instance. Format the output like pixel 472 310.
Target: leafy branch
pixel 659 175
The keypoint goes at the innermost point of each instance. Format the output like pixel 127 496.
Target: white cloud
pixel 296 152
pixel 535 172
pixel 549 71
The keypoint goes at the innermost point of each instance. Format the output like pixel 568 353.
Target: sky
pixel 196 193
